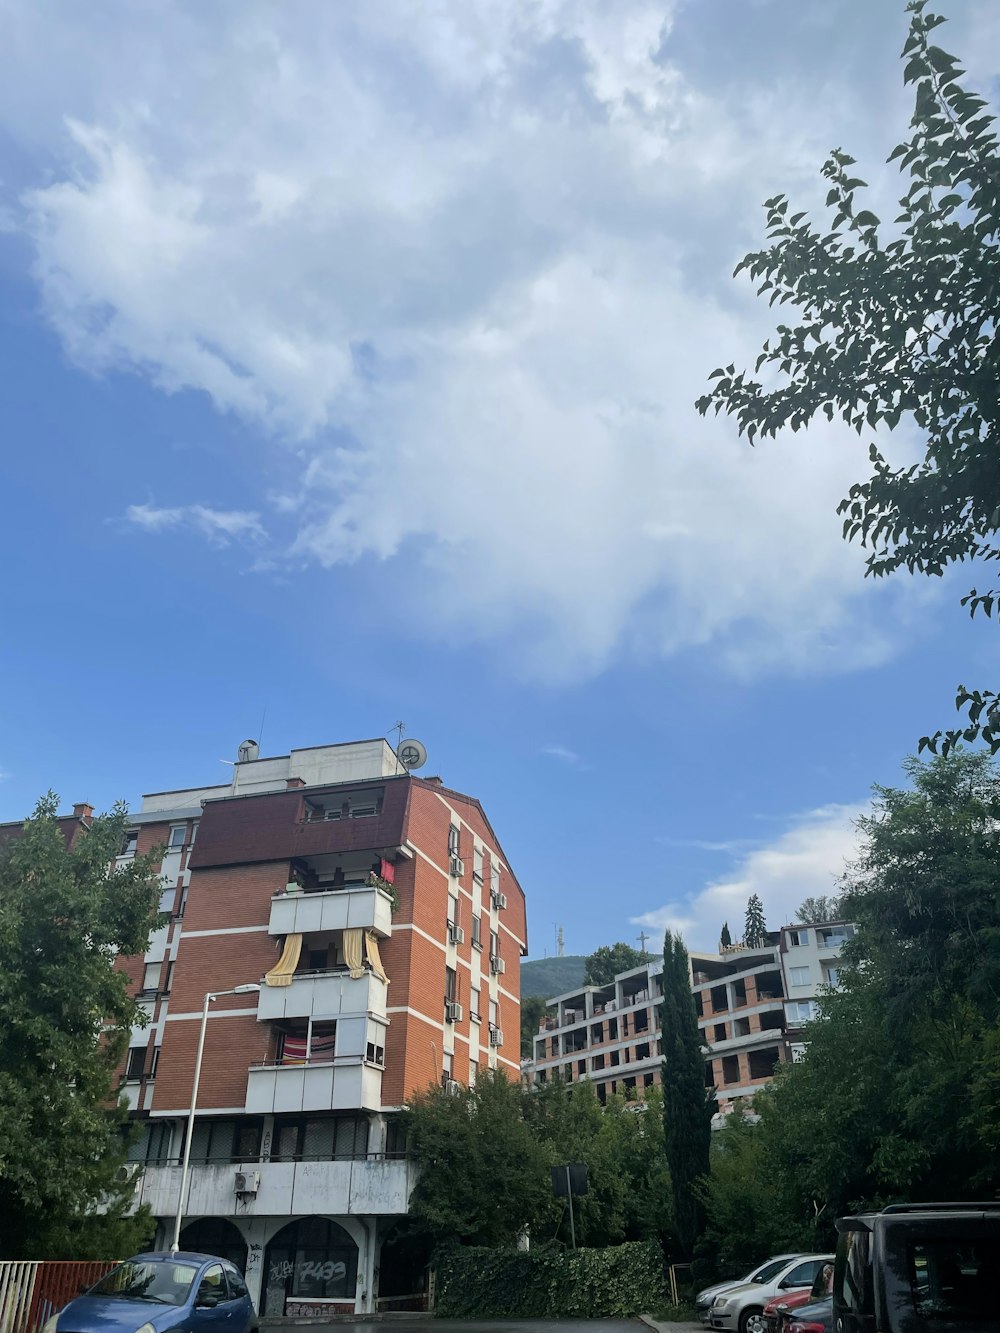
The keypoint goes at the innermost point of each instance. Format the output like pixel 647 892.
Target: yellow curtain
pixel 281 973
pixel 352 951
pixel 374 957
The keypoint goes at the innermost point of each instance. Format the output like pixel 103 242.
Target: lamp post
pixel 246 989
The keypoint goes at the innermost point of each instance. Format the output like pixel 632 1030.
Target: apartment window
pixel 194 832
pixel 151 976
pixel 612 1029
pixel 153 1144
pixel 375 1055
pixel 474 1070
pixel 798 938
pixel 131 842
pixel 154 1062
pixel 642 1051
pixel 598 1061
pixel 182 904
pixel 494 944
pixel 454 841
pixel 800 1011
pixel 494 875
pixel 834 937
pixel 177 833
pixel 452 911
pixel 798 976
pixel 494 1014
pixel 832 977
pixel 308 1043
pixel 581 1067
pixel 647 1080
pixel 719 1032
pixel 136 1065
pixel 167 899
pixel 615 1057
pixel 477 932
pixel 447 1066
pixel 169 981
pixel 477 864
pixel 319 1139
pixel 474 1006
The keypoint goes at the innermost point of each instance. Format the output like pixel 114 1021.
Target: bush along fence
pixel 619 1282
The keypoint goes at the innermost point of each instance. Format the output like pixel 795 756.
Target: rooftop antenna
pixel 260 734
pixel 400 728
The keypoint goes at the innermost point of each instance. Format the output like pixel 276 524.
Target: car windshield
pixel 162 1282
pixel 769 1271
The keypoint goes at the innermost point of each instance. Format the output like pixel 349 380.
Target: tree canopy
pixel 66 1021
pixel 604 964
pixel 896 1095
pixel 898 322
pixel 814 911
pixel 754 927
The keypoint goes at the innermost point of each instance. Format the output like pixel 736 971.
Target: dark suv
pixel 918 1268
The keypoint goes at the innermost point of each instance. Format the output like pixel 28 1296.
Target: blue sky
pixel 349 358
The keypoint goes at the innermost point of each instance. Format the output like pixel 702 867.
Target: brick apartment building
pixel 751 1006
pixel 380 918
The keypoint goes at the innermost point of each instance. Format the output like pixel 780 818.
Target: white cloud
pixel 468 266
pixel 220 526
pixel 805 861
pixel 561 752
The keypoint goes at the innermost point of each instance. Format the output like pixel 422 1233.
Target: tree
pixel 755 927
pixel 725 939
pixel 484 1173
pixel 687 1104
pixel 532 1010
pixel 604 964
pixel 814 911
pixel 899 324
pixel 64 916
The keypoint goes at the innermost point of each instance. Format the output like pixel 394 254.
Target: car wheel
pixel 752 1320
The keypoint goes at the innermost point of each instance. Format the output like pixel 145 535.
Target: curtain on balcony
pixel 281 973
pixel 374 957
pixel 353 944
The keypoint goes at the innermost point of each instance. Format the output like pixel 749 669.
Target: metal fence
pixel 32 1290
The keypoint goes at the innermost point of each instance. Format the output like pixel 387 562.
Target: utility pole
pixel 569 1195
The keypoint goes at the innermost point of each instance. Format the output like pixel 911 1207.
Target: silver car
pixel 741 1309
pixel 762 1273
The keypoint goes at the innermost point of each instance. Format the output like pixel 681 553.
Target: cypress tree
pixel 687 1103
pixel 725 940
pixel 755 929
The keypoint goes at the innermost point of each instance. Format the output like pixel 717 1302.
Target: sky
pixel 349 355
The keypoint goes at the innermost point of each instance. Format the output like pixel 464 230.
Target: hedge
pixel 618 1282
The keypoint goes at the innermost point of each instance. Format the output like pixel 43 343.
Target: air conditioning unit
pixel 499 900
pixel 453 1012
pixel 456 866
pixel 246 1182
pixel 128 1172
pixel 452 1087
pixel 497 965
pixel 455 933
pixel 496 1036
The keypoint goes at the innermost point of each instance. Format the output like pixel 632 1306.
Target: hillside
pixel 552 976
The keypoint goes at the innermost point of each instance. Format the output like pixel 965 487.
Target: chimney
pixel 434 780
pixel 294 782
pixel 83 812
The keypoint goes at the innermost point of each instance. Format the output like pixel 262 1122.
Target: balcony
pixel 327 995
pixel 334 909
pixel 374 1186
pixel 345 1083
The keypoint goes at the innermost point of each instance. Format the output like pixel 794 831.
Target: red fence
pixel 31 1291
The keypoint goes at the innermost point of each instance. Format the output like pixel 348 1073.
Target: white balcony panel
pixel 336 909
pixel 286 1188
pixel 322 995
pixel 343 1085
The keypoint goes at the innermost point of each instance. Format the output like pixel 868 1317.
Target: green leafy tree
pixel 897 1095
pixel 898 323
pixel 532 1011
pixel 755 927
pixel 814 911
pixel 604 964
pixel 64 916
pixel 725 939
pixel 484 1172
pixel 687 1104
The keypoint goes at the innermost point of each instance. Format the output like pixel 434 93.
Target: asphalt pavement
pixel 426 1324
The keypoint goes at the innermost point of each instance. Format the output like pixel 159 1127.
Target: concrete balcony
pixel 323 995
pixel 377 1186
pixel 346 1083
pixel 335 909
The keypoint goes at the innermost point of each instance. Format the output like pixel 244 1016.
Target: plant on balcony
pixel 387 887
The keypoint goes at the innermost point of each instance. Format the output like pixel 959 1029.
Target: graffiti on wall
pixel 307 1271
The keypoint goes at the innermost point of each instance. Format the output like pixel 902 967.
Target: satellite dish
pixel 248 751
pixel 412 754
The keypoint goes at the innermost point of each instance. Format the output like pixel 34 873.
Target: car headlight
pixel 721 1302
pixel 146 1328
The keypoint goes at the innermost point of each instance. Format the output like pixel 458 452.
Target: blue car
pixel 162 1293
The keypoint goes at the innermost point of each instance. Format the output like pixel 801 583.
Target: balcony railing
pixel 347 1083
pixel 333 994
pixel 355 906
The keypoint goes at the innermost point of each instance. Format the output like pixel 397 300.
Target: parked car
pixel 762 1273
pixel 780 1309
pixel 741 1309
pixel 156 1293
pixel 814 1318
pixel 915 1268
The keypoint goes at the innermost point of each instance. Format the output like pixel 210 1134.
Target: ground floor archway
pixel 216 1235
pixel 310 1266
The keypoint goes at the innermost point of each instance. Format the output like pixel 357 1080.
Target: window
pixel 182 904
pixel 452 910
pixel 131 842
pixel 151 976
pixel 800 1011
pixel 136 1065
pixel 169 979
pixel 194 832
pixel 494 1014
pixel 450 984
pixel 494 875
pixel 798 938
pixel 308 1043
pixel 798 976
pixel 153 1144
pixel 454 841
pixel 642 1051
pixel 719 1032
pixel 237 1287
pixel 802 1275
pixel 647 1080
pixel 477 932
pixel 474 1006
pixel 473 1071
pixel 177 834
pixel 375 1055
pixel 212 1287
pixel 615 1057
pixel 598 1062
pixel 494 944
pixel 167 898
pixel 477 864
pixel 154 1062
pixel 831 977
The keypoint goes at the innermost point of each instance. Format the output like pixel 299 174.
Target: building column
pixel 365 1300
pixel 255 1231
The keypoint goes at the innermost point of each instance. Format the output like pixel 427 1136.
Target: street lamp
pixel 246 989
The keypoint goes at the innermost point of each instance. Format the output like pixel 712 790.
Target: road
pixel 425 1325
